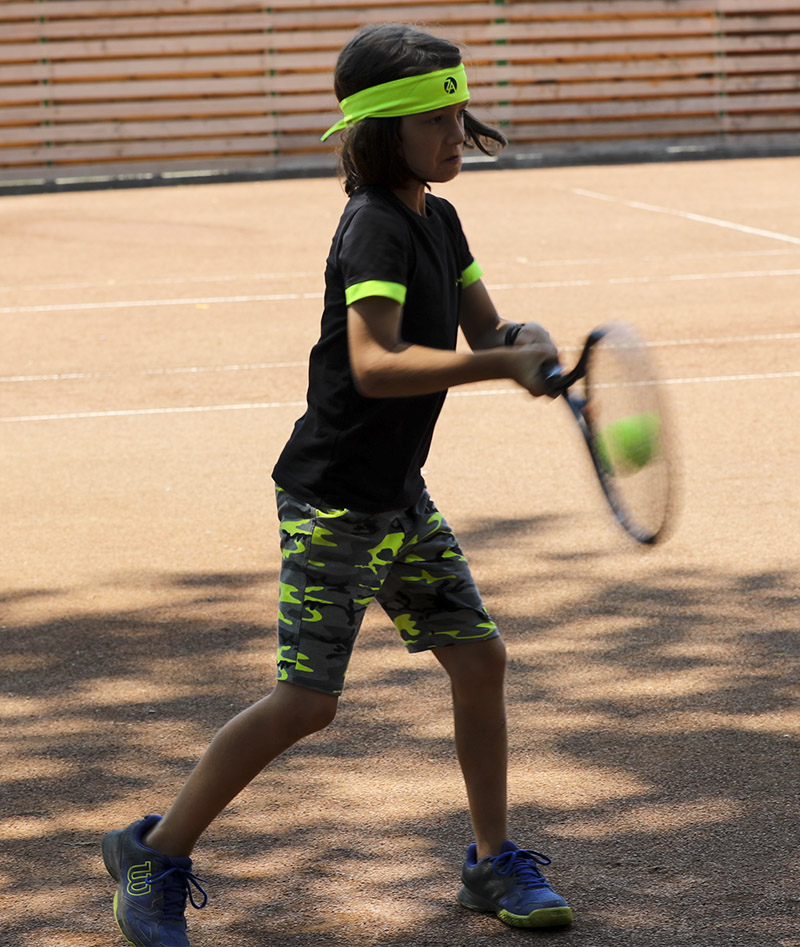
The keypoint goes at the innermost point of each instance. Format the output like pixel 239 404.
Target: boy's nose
pixel 457 131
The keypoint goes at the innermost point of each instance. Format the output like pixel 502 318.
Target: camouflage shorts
pixel 335 562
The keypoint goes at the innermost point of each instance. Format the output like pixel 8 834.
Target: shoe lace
pixel 178 883
pixel 523 863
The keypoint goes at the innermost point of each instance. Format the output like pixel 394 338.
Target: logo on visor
pixel 450 85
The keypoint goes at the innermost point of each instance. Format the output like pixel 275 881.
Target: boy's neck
pixel 413 196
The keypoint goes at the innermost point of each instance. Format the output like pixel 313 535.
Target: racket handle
pixel 553 379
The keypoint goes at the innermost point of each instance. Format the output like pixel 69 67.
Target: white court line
pixel 154 372
pixel 755 376
pixel 701 379
pixel 160 281
pixel 647 258
pixel 254 406
pixel 493 287
pixel 142 412
pixel 687 215
pixel 155 303
pixel 644 280
pixel 725 339
pixel 268 366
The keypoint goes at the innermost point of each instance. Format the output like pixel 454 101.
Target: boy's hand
pixel 529 363
pixel 532 334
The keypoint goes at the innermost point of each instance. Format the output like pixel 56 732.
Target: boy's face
pixel 432 143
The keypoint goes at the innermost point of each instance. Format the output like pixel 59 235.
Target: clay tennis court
pixel 152 364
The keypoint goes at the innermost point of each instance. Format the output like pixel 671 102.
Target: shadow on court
pixel 648 759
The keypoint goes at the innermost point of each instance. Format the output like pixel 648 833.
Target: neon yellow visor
pixel 408 96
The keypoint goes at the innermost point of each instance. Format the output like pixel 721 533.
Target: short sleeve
pixel 471 274
pixel 375 255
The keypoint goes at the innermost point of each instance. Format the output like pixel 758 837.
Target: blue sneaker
pixel 152 889
pixel 512 886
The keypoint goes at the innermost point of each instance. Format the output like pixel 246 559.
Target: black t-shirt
pixel 366 453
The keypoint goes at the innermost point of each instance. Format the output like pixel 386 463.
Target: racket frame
pixel 560 383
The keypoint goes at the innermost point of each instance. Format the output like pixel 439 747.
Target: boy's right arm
pixel 384 366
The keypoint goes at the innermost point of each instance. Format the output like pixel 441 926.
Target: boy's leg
pixel 332 567
pixel 432 599
pixel 330 571
pixel 498 877
pixel 477 674
pixel 150 858
pixel 236 755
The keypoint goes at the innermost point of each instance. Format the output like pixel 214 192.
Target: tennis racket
pixel 614 396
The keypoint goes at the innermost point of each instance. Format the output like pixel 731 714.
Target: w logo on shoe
pixel 139 879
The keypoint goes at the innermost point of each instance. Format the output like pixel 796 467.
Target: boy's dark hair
pixel 369 151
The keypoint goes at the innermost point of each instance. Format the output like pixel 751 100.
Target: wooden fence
pixel 93 88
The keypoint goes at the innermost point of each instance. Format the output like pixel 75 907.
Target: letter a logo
pixel 139 879
pixel 450 85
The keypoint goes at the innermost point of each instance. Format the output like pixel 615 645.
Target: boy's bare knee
pixel 494 657
pixel 304 711
pixel 474 660
pixel 318 716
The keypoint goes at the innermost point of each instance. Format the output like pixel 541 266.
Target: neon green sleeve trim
pixel 374 287
pixel 471 274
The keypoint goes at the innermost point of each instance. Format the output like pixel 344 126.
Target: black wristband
pixel 511 333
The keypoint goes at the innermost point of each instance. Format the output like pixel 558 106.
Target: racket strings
pixel 626 417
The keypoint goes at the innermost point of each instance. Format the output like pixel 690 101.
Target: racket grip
pixel 553 378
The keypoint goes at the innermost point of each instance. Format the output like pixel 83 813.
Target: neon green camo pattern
pixel 336 562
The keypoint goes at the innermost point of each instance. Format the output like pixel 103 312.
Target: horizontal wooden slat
pixel 121 8
pixel 112 93
pixel 755 23
pixel 107 151
pixel 766 122
pixel 192 45
pixel 761 7
pixel 145 131
pixel 49 31
pixel 554 8
pixel 60 154
pixel 122 169
pixel 644 108
pixel 134 69
pixel 760 63
pixel 647 128
pixel 164 110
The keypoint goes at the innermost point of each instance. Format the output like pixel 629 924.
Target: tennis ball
pixel 627 445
